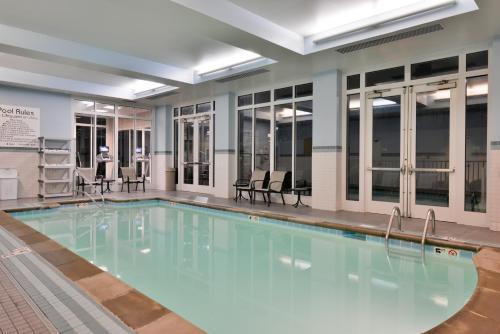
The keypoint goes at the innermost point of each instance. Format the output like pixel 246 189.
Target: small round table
pixel 300 191
pixel 108 182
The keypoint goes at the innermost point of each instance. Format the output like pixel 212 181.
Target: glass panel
pixel 188 152
pixel 189 110
pixel 303 143
pixel 353 81
pixel 352 149
pixel 476 116
pixel 432 147
pixel 245 144
pixel 283 137
pixel 203 107
pixel 386 148
pixel 105 138
pixel 143 113
pixel 83 106
pixel 304 90
pixel 396 74
pixel 83 146
pixel 262 138
pixel 434 67
pixel 104 108
pixel 283 93
pixel 204 153
pixel 245 100
pixel 477 60
pixel 126 111
pixel 138 152
pixel 143 147
pixel 176 150
pixel 125 142
pixel 262 97
pixel 176 112
pixel 79 119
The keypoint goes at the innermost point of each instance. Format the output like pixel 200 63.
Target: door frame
pixel 407 200
pixel 379 206
pixel 196 119
pixel 420 211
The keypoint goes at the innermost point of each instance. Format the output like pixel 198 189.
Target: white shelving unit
pixel 55 167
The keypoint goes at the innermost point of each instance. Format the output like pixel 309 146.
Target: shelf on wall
pixel 55 167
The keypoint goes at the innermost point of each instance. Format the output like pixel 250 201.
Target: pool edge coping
pixel 476 312
pixel 88 276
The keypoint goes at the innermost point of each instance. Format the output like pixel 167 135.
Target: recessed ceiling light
pixel 383 18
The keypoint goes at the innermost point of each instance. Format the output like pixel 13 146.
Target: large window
pixel 277 135
pixel 263 118
pixel 476 143
pixel 95 125
pixel 303 143
pixel 245 143
pixel 283 137
pixel 352 147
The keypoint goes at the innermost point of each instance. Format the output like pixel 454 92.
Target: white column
pixel 493 167
pixel 327 147
pixel 225 145
pixel 162 157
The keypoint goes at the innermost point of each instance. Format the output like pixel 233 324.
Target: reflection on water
pixel 229 275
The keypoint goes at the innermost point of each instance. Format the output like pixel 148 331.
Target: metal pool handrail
pixel 76 173
pixel 431 216
pixel 395 212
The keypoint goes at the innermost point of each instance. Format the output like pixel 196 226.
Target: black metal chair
pixel 278 183
pixel 245 185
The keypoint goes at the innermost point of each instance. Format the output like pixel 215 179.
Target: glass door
pixel 410 163
pixel 386 146
pixel 431 167
pixel 196 154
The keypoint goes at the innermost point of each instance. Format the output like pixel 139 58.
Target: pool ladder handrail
pixel 431 217
pixel 76 173
pixel 395 212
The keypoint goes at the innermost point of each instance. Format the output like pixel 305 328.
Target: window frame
pixel 460 76
pixel 271 105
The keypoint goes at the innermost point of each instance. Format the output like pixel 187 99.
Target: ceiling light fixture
pixel 374 21
pixel 231 67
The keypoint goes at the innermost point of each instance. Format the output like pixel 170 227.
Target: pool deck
pixel 136 312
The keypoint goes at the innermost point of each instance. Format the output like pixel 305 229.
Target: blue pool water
pixel 231 273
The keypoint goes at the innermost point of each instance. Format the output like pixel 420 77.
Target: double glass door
pixel 410 163
pixel 196 153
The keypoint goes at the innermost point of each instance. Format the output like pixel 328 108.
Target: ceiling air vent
pixel 390 38
pixel 242 75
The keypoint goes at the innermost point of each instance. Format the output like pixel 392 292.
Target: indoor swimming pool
pixel 233 273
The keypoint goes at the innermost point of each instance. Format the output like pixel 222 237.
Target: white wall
pixel 55 121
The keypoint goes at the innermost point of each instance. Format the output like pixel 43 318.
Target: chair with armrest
pixel 259 177
pixel 129 176
pixel 278 182
pixel 86 177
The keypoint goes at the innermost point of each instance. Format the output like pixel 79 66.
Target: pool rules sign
pixel 19 126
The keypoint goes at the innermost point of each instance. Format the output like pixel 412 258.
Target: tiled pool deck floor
pixel 54 282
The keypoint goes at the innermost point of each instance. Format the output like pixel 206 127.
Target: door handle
pixel 435 170
pixel 403 169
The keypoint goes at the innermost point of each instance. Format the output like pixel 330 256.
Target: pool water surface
pixel 231 273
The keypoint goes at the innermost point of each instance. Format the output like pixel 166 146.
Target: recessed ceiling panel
pixel 308 17
pixel 156 30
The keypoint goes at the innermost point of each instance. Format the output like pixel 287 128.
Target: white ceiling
pixel 157 30
pixel 170 41
pixel 307 17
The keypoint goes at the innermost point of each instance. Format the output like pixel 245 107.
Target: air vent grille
pixel 391 38
pixel 242 75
